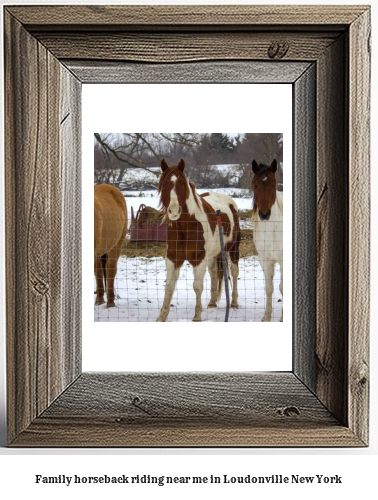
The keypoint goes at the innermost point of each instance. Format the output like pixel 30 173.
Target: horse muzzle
pixel 264 217
pixel 174 213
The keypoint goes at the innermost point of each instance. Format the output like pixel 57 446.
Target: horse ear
pixel 255 166
pixel 181 165
pixel 273 166
pixel 163 165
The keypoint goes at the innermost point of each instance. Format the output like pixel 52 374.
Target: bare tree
pixel 262 147
pixel 118 152
pixel 204 154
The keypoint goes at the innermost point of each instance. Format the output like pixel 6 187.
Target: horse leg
pixel 234 257
pixel 268 268
pixel 111 271
pixel 172 276
pixel 98 270
pixel 281 286
pixel 235 275
pixel 213 270
pixel 199 273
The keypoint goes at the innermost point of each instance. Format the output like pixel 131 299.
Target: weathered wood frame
pixel 49 53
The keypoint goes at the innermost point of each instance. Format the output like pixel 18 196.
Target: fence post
pixel 224 262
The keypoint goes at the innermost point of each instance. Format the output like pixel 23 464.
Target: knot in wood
pixel 288 411
pixel 278 50
pixel 136 400
pixel 360 374
pixel 41 287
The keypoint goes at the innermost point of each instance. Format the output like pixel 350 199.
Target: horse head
pixel 174 189
pixel 264 187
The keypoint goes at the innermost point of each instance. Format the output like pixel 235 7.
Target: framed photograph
pixel 214 165
pixel 323 52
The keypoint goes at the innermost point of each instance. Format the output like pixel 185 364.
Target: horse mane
pixel 263 169
pixel 195 195
pixel 254 206
pixel 254 213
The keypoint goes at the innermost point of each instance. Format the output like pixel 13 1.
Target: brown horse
pixel 110 226
pixel 267 215
pixel 193 236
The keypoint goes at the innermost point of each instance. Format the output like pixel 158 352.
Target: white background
pixel 357 466
pixel 181 346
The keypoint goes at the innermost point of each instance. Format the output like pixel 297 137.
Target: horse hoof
pixel 211 306
pixel 266 319
pixel 281 320
pixel 197 320
pixel 110 304
pixel 234 306
pixel 99 302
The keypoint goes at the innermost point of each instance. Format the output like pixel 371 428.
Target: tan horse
pixel 110 226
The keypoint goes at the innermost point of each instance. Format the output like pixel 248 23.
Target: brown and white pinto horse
pixel 110 226
pixel 193 235
pixel 267 214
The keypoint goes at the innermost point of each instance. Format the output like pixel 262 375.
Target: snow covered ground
pixel 140 282
pixel 140 286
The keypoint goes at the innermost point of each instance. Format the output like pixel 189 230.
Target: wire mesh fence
pixel 141 277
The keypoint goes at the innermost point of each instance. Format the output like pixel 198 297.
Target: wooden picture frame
pixel 324 51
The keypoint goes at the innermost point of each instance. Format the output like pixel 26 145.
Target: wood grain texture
pixel 242 397
pixel 199 72
pixel 322 403
pixel 331 349
pixel 70 160
pixel 304 227
pixel 196 409
pixel 99 432
pixel 34 239
pixel 359 226
pixel 180 47
pixel 173 16
pixel 33 201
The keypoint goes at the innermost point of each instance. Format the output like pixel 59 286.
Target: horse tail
pixel 220 272
pixel 104 260
pixel 220 275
